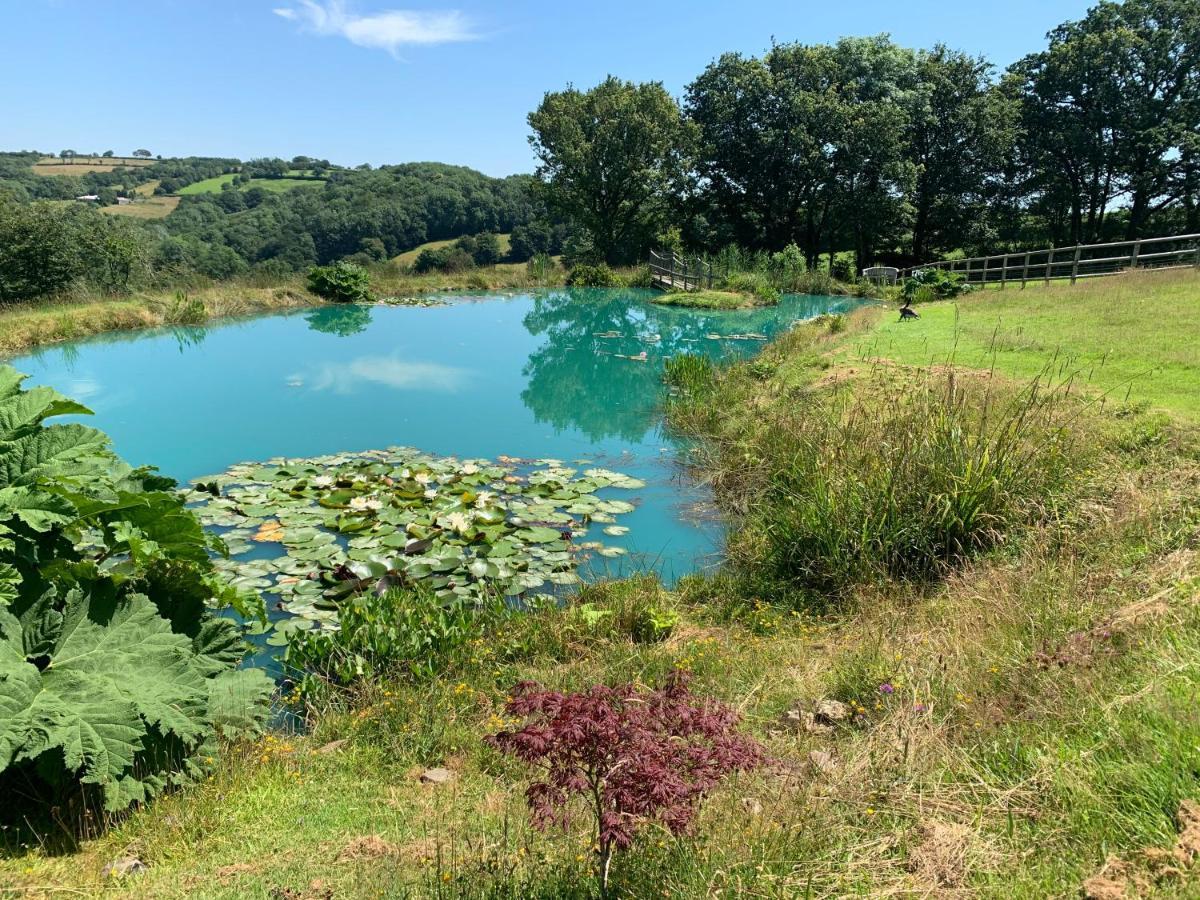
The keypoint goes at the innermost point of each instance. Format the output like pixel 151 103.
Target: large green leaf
pixel 106 684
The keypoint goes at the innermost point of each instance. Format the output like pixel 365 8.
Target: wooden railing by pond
pixel 1073 263
pixel 670 271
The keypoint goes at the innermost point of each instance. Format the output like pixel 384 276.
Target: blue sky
pixel 388 81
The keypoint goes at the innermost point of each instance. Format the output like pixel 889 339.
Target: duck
pixel 907 312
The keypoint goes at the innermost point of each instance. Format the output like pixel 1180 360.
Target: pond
pixel 570 375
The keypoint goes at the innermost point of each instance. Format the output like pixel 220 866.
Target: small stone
pixel 822 762
pixel 332 746
pixel 436 776
pixel 120 868
pixel 831 711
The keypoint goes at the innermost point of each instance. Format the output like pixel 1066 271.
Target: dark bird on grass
pixel 907 312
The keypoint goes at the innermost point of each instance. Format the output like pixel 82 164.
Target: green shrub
pixel 640 277
pixel 115 677
pixel 342 282
pixel 933 284
pixel 600 275
pixel 689 373
pixel 654 623
pixel 842 269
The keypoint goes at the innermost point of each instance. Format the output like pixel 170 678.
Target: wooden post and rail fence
pixel 1080 261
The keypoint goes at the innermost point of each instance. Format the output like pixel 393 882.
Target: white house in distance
pixel 89 198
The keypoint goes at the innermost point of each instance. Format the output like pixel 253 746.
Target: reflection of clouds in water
pixel 390 372
pixel 78 388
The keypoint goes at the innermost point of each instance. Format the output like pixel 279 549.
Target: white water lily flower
pixel 422 478
pixel 483 499
pixel 323 481
pixel 431 493
pixel 363 503
pixel 359 477
pixel 460 522
pixel 469 469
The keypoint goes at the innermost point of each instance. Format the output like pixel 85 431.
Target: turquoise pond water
pixel 523 376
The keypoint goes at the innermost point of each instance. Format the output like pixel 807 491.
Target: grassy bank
pixel 31 325
pixel 708 299
pixel 1021 714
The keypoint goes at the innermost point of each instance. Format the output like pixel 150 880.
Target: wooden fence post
pixel 1133 257
pixel 1049 266
pixel 1075 263
pixel 1025 270
pixel 1003 271
pixel 1196 254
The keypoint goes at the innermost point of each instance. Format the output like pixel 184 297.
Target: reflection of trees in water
pixel 340 320
pixel 576 380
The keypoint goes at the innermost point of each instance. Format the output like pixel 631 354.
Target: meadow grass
pixel 408 257
pixel 1018 722
pixel 83 313
pixel 149 208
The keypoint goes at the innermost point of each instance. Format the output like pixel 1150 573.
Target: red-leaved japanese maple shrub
pixel 634 756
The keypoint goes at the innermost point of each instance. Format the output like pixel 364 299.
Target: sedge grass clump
pixel 882 482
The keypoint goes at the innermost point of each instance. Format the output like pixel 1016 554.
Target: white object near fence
pixel 881 274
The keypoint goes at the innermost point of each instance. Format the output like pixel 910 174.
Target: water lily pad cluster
pixel 369 520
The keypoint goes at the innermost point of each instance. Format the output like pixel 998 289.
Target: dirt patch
pixel 942 857
pixel 234 870
pixel 1121 878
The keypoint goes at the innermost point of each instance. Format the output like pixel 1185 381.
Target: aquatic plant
pixel 395 518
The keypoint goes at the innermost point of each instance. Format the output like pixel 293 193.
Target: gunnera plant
pixel 115 678
pixel 342 282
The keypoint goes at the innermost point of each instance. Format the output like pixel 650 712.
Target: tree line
pixel 898 155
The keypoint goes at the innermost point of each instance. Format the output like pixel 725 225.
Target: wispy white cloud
pixel 387 30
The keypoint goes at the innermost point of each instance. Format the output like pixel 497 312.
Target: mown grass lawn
pixel 1130 337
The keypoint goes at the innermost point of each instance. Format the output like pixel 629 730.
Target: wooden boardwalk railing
pixel 670 271
pixel 1079 261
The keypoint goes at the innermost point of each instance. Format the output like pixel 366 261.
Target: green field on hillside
pixel 213 185
pixel 408 257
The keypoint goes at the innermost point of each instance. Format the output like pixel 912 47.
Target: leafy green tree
pixel 610 159
pixel 108 154
pixel 144 154
pixel 487 249
pixel 1110 110
pixel 962 133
